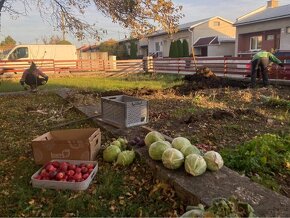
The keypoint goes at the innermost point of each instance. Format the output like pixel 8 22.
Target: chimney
pixel 272 4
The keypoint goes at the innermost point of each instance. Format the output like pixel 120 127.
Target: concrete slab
pixel 203 189
pixel 224 183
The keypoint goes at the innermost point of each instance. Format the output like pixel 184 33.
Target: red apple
pixel 77 177
pixel 85 176
pixel 83 165
pixel 90 166
pixel 59 175
pixel 84 170
pixel 72 167
pixel 50 168
pixel 52 174
pixel 56 164
pixel 63 166
pixel 90 170
pixel 70 172
pixel 43 173
pixel 78 170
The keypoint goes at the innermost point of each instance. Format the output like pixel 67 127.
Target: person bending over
pixel 33 77
pixel 259 64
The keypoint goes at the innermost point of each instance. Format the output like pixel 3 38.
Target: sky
pixel 32 28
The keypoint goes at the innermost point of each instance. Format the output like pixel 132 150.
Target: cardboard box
pixel 69 144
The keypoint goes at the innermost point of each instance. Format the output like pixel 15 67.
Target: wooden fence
pixel 50 65
pixel 227 66
pixel 222 66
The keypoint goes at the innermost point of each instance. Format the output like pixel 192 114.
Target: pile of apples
pixel 64 171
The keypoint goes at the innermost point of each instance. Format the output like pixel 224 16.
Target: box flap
pixel 72 134
pixel 45 137
pixel 95 143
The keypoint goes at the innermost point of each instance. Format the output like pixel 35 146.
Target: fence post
pixel 148 64
pixel 145 64
pixel 178 65
pixel 112 62
pixel 53 65
pixel 104 65
pixel 225 66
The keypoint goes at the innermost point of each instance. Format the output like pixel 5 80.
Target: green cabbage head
pixel 110 154
pixel 213 160
pixel 187 150
pixel 117 143
pixel 125 158
pixel 156 149
pixel 123 142
pixel 195 164
pixel 153 136
pixel 180 142
pixel 172 158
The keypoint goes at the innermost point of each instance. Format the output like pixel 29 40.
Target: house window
pixel 270 37
pixel 216 23
pixel 157 46
pixel 256 43
pixel 288 30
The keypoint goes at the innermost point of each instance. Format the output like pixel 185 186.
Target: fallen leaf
pixel 159 186
pixel 132 178
pixel 113 208
pixel 31 202
pixel 287 165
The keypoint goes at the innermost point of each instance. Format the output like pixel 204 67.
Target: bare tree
pixel 141 16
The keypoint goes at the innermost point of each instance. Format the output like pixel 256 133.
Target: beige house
pixel 197 33
pixel 142 46
pixel 266 28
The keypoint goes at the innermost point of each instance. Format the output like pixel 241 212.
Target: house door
pixel 203 51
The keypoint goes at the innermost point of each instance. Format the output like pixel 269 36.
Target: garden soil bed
pixel 213 118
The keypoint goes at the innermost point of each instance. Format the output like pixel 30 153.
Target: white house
pixel 209 37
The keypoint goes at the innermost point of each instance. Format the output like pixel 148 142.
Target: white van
pixel 15 59
pixel 32 52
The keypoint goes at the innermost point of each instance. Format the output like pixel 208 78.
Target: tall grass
pixel 98 83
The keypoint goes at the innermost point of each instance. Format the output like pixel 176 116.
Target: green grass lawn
pixel 98 83
pixel 115 192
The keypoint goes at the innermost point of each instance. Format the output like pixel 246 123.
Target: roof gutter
pixel 262 20
pixel 191 31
